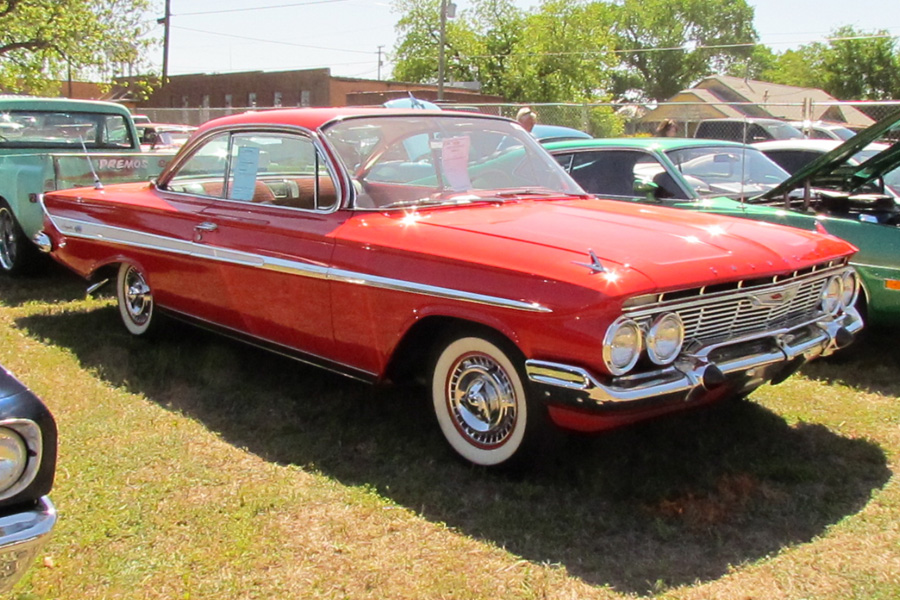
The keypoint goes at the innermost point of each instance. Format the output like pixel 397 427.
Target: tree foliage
pixel 852 65
pixel 567 51
pixel 667 46
pixel 42 41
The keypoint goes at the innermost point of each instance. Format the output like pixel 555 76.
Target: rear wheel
pixel 481 402
pixel 135 300
pixel 16 252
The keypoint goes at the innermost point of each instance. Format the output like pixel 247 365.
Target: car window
pixel 280 169
pixel 792 160
pixel 64 130
pixel 204 172
pixel 402 161
pixel 726 171
pixel 606 172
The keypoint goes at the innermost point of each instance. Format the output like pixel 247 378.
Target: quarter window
pixel 263 168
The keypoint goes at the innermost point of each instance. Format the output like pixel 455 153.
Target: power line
pixel 233 10
pixel 250 39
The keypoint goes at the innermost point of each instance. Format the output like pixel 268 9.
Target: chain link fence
pixel 739 120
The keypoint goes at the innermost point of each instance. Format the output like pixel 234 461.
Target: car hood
pixel 671 248
pixel 833 171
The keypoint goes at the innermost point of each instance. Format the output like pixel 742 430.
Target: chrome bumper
pixel 22 535
pixel 743 364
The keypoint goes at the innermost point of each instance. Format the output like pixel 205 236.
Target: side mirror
pixel 643 187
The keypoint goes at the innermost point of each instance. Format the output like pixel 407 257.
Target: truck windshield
pixel 64 130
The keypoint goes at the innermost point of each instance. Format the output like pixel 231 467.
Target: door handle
pixel 205 227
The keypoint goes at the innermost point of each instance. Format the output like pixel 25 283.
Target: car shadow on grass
pixel 672 502
pixel 49 283
pixel 870 364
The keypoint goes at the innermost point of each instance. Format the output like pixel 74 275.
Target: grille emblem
pixel 776 298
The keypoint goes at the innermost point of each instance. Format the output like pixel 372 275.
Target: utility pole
pixel 441 50
pixel 379 62
pixel 165 23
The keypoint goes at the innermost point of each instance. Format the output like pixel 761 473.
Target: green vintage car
pixel 830 194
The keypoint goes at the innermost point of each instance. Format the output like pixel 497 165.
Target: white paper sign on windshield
pixel 244 183
pixel 455 163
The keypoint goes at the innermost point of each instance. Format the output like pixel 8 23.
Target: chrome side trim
pixel 109 234
pixel 22 535
pixel 806 341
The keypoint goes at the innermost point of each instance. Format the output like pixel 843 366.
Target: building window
pixel 229 100
pixel 304 98
pixel 251 99
pixel 277 99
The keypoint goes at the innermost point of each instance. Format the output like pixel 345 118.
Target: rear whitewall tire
pixel 135 300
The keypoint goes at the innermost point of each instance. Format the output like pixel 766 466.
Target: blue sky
pixel 345 35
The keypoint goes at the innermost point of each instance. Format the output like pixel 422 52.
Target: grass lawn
pixel 195 467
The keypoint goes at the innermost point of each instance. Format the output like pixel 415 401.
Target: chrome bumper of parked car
pixel 742 364
pixel 22 535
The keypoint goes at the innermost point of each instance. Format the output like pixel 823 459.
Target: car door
pixel 271 233
pixel 183 279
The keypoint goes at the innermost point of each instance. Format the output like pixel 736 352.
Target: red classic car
pixel 388 244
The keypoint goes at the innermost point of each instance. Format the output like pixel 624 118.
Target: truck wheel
pixel 16 252
pixel 135 300
pixel 481 403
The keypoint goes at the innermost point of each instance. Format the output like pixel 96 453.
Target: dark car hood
pixel 831 170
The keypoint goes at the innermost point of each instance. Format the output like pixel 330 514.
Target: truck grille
pixel 740 308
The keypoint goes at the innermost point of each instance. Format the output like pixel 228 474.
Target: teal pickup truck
pixel 51 144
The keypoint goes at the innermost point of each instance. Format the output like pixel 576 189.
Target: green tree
pixel 667 46
pixel 46 40
pixel 565 54
pixel 860 66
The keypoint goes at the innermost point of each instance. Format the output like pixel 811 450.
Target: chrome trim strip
pixel 114 235
pixel 686 376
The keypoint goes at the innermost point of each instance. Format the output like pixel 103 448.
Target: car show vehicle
pixel 163 137
pixel 450 248
pixel 793 155
pixel 52 144
pixel 833 193
pixel 28 441
pixel 746 129
pixel 823 130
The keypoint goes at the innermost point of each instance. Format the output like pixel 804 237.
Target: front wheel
pixel 16 252
pixel 481 403
pixel 135 300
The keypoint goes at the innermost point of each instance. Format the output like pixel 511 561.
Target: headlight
pixel 851 288
pixel 832 294
pixel 622 346
pixel 665 338
pixel 13 458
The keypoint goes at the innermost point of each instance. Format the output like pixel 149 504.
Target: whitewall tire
pixel 480 401
pixel 135 300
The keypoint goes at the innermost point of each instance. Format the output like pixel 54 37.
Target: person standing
pixel 526 118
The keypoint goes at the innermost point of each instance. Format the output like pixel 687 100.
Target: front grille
pixel 745 308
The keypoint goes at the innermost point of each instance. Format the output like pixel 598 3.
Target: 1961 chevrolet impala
pixel 386 244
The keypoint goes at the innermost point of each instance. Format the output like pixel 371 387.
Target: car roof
pixel 315 118
pixel 557 132
pixel 63 104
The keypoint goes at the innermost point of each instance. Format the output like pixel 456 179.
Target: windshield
pixel 727 171
pixel 64 130
pixel 413 160
pixel 783 131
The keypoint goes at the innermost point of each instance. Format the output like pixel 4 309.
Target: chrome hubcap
pixel 7 240
pixel 138 299
pixel 482 400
